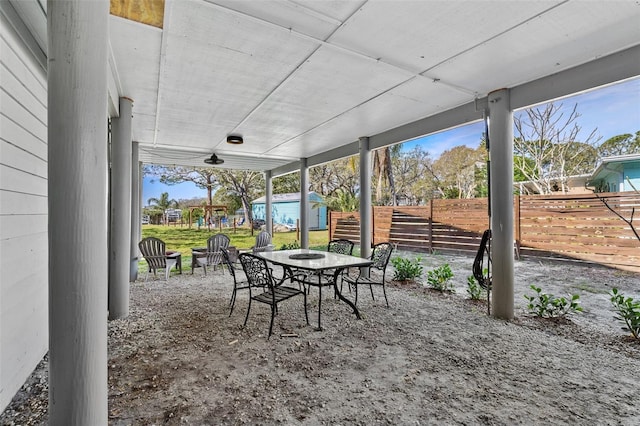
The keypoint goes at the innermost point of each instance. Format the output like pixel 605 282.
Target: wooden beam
pixel 150 12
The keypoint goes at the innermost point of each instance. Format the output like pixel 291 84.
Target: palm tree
pixel 160 205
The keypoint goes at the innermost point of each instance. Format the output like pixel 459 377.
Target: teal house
pixel 285 209
pixel 617 174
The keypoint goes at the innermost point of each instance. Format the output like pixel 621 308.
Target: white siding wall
pixel 23 213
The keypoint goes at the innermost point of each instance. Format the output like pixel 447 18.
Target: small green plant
pixel 474 290
pixel 291 246
pixel 546 305
pixel 406 269
pixel 440 278
pixel 628 311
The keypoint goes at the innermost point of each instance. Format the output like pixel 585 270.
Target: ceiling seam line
pixel 341 114
pixel 288 77
pixel 494 37
pixel 168 7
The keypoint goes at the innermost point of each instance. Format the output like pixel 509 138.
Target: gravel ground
pixel 431 358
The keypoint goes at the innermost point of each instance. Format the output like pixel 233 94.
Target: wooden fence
pixel 568 227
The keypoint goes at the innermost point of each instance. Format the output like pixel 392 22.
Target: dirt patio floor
pixel 431 358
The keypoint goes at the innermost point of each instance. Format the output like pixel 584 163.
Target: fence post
pixel 516 206
pixel 373 225
pixel 431 226
pixel 330 225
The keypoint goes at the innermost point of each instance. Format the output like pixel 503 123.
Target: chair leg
pixel 371 288
pixel 247 317
pixel 232 303
pixel 385 294
pixel 319 306
pixel 306 314
pixel 273 315
pixel 355 285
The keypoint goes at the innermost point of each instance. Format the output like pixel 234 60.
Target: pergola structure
pixel 208 209
pixel 303 82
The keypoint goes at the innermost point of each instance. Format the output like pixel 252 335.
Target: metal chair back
pixel 340 246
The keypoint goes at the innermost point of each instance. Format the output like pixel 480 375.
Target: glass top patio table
pixel 329 261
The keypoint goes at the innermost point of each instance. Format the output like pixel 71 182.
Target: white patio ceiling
pixel 298 78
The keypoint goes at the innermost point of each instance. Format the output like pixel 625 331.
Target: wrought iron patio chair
pixel 238 283
pixel 154 252
pixel 213 256
pixel 380 256
pixel 269 290
pixel 482 266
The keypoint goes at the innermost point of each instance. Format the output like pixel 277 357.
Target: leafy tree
pixel 341 200
pixel 158 206
pixel 246 185
pixel 202 177
pixel 455 171
pixel 547 146
pixel 325 179
pixel 620 145
pixel 163 203
pixel 286 184
pixel 415 184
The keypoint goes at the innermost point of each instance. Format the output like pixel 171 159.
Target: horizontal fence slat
pixel 574 227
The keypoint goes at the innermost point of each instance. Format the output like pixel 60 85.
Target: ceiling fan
pixel 214 160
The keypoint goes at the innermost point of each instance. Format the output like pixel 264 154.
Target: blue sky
pixel 613 110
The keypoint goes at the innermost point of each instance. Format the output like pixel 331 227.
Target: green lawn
pixel 182 239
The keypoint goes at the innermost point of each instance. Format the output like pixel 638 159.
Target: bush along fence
pixel 564 227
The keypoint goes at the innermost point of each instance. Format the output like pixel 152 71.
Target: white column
pixel 304 204
pixel 136 216
pixel 120 208
pixel 78 190
pixel 268 204
pixel 365 197
pixel 501 172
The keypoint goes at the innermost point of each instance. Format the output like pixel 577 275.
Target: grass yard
pixel 182 239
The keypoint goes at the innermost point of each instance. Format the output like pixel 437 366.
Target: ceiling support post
pixel 304 204
pixel 120 212
pixel 136 213
pixel 77 197
pixel 365 197
pixel 268 202
pixel 502 233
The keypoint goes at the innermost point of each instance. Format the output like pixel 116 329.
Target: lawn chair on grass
pixel 263 243
pixel 154 252
pixel 213 256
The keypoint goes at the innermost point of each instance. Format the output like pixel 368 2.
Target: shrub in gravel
pixel 474 290
pixel 406 269
pixel 628 311
pixel 546 305
pixel 440 278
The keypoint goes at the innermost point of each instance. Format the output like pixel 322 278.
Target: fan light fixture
pixel 214 160
pixel 235 139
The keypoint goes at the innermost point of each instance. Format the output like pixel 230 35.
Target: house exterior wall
pixel 24 253
pixel 289 212
pixel 631 175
